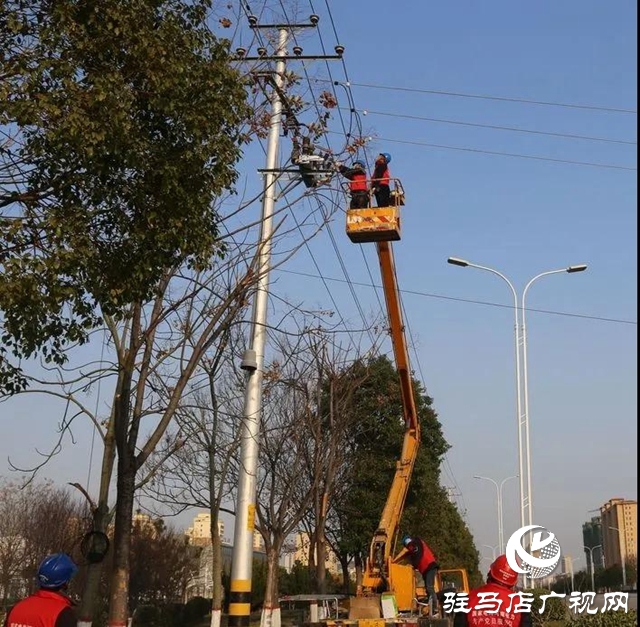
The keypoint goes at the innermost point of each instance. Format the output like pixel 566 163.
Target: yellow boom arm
pixel 376 568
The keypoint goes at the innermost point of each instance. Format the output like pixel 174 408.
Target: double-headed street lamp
pixel 593 566
pixel 525 375
pixel 522 386
pixel 493 551
pixel 500 510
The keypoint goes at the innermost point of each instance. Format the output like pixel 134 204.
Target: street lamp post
pixel 525 375
pixel 522 399
pixel 623 554
pixel 463 264
pixel 493 551
pixel 571 560
pixel 593 566
pixel 500 510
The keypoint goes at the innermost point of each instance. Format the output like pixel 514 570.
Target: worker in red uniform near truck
pixel 495 603
pixel 49 606
pixel 421 557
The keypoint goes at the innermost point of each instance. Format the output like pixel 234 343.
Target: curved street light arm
pixel 525 375
pixel 519 411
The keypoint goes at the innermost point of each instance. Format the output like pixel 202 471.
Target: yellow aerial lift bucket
pixel 373 225
pixel 379 224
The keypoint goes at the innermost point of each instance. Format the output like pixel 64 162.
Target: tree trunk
pixel 91 592
pixel 271 609
pixel 5 591
pixel 101 519
pixel 216 571
pixel 311 560
pixel 119 588
pixel 357 558
pixel 346 582
pixel 321 559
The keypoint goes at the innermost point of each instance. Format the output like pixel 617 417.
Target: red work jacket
pixel 380 175
pixel 505 616
pixel 421 555
pixel 45 608
pixel 358 182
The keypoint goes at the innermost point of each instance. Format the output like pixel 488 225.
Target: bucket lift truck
pixel 382 226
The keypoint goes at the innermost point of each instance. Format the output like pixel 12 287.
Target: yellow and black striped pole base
pixel 240 603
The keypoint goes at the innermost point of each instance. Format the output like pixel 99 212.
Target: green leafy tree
pixel 609 619
pixel 298 581
pixel 123 122
pixel 555 608
pixel 375 447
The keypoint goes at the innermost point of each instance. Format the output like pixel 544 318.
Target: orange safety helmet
pixel 502 572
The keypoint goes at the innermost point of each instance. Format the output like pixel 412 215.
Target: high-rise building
pixel 619 530
pixel 592 539
pixel 144 523
pixel 258 542
pixel 300 553
pixel 200 531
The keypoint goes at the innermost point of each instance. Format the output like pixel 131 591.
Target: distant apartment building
pixel 592 539
pixel 145 523
pixel 619 530
pixel 298 551
pixel 567 564
pixel 258 542
pixel 199 533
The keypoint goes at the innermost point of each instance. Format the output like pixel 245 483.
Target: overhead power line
pixel 609 166
pixel 468 300
pixel 457 94
pixel 513 129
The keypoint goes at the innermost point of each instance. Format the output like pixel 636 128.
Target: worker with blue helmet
pixel 418 553
pixel 380 180
pixel 48 605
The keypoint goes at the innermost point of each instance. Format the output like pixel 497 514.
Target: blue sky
pixel 520 216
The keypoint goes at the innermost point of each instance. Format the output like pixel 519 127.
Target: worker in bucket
pixel 49 606
pixel 380 180
pixel 497 602
pixel 358 185
pixel 417 552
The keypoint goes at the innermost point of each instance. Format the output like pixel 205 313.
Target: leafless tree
pixel 203 468
pixel 154 353
pixel 331 421
pixel 35 520
pixel 302 440
pixel 14 550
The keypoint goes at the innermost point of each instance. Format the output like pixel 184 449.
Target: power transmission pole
pixel 253 360
pixel 253 363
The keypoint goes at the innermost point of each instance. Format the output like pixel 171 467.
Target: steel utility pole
pixel 253 359
pixel 253 363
